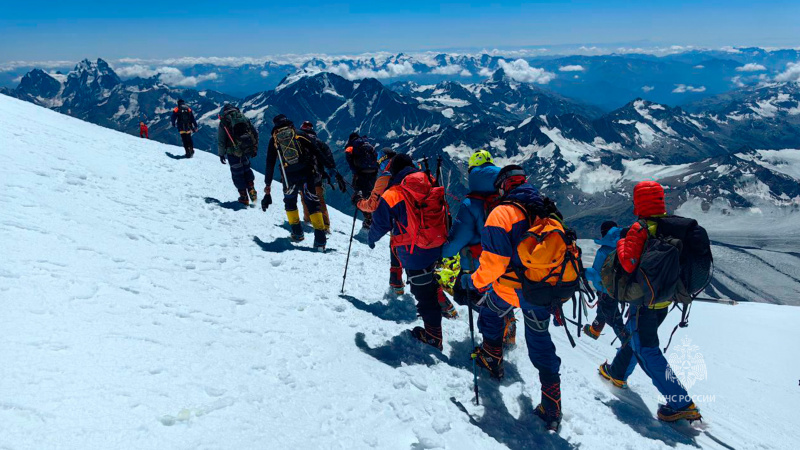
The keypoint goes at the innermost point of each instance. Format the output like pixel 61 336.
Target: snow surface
pixel 141 310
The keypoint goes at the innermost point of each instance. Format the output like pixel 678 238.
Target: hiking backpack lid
pixel 365 158
pixel 240 133
pixel 696 260
pixel 289 148
pixel 426 214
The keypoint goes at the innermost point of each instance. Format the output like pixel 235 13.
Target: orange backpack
pixel 551 262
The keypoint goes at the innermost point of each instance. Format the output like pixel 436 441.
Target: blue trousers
pixel 643 348
pixel 541 350
pixel 241 173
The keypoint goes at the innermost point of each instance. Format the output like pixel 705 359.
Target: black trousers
pixel 188 144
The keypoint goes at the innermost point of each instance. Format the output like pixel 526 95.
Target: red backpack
pixel 426 210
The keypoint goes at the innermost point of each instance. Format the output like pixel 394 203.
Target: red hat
pixel 648 199
pixel 307 126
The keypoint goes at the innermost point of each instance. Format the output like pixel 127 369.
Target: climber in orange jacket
pixel 370 204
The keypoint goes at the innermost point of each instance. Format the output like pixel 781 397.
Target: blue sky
pixel 144 29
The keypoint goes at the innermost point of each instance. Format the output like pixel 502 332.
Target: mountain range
pixel 730 154
pixel 607 79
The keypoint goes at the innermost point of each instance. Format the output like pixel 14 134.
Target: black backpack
pixel 365 158
pixel 293 156
pixel 184 115
pixel 241 135
pixel 656 277
pixel 696 261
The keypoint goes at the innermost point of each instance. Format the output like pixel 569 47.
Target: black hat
pixel 607 225
pixel 180 101
pixel 307 126
pixel 507 172
pixel 399 163
pixel 281 121
pixel 353 136
pixel 388 151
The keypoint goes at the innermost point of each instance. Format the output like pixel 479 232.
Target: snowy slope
pixel 138 309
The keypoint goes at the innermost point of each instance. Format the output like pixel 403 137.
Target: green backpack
pixel 242 139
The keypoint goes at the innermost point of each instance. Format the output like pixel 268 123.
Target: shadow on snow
pixel 400 309
pixel 233 205
pixel 284 244
pixel 174 156
pixel 527 431
pixel 630 409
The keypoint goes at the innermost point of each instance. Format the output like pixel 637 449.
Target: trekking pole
pixel 284 180
pixel 472 336
pixel 349 247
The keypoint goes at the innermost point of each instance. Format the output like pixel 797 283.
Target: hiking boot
pixel 297 232
pixel 432 338
pixel 490 359
pixel 551 419
pixel 253 194
pixel 689 412
pixel 604 372
pixel 243 199
pixel 448 310
pixel 396 280
pixel 320 240
pixel 591 331
pixel 510 330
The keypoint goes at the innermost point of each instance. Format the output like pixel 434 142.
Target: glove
pixel 371 245
pixel 266 201
pixel 468 284
pixel 340 181
pixel 356 198
pixel 222 159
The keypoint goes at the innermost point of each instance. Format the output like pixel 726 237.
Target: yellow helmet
pixel 480 158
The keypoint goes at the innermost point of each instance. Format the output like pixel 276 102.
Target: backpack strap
pixel 682 324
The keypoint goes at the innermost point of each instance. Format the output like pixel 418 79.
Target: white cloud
pixel 699 66
pixel 485 72
pixel 737 80
pixel 751 67
pixel 400 69
pixel 730 49
pixel 264 73
pixel 648 88
pixel 17 80
pixel 392 70
pixel 171 76
pixel 682 88
pixel 520 70
pixel 571 68
pixel 451 69
pixel 792 73
pixel 136 70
